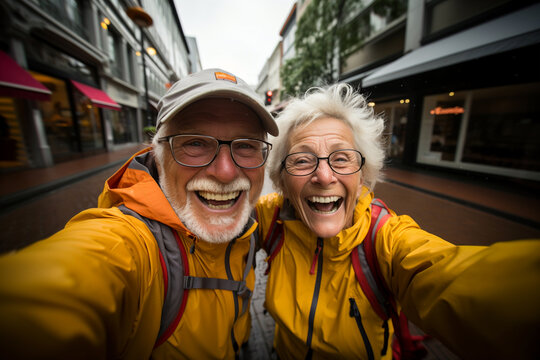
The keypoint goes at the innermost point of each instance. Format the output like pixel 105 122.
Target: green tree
pixel 315 44
pixel 327 33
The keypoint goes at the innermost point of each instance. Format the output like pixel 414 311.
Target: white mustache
pixel 240 184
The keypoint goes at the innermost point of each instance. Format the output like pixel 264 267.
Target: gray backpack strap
pixel 171 257
pixel 239 287
pixel 244 291
pixel 174 271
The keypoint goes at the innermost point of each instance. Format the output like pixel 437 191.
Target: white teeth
pixel 323 199
pixel 313 200
pixel 219 196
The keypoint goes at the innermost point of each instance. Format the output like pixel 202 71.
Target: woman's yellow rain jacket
pixel 95 289
pixel 482 302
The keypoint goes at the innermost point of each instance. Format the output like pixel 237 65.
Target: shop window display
pixel 493 130
pixel 89 121
pixel 12 150
pixel 504 127
pixel 57 119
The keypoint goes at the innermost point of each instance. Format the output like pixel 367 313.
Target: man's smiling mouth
pixel 218 201
pixel 324 204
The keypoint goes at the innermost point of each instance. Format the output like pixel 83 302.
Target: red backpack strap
pixel 363 259
pixel 368 274
pixel 274 239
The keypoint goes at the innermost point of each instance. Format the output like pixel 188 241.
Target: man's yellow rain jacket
pixel 482 302
pixel 95 289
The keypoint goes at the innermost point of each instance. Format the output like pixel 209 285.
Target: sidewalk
pixel 20 186
pixel 519 200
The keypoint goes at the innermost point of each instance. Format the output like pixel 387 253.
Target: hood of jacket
pixel 136 185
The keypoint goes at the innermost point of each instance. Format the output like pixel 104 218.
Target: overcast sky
pixel 235 35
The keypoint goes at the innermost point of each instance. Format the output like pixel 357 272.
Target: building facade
pixel 287 33
pixel 269 76
pixel 457 82
pixel 95 69
pixel 194 58
pixel 269 79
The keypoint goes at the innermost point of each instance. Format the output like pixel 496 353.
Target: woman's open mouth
pixel 324 204
pixel 218 201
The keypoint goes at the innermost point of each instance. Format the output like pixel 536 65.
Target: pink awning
pixel 17 82
pixel 98 97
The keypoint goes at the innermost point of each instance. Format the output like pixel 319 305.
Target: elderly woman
pixel 482 302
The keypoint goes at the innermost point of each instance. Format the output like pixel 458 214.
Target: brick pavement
pixel 453 221
pixel 259 346
pixel 42 216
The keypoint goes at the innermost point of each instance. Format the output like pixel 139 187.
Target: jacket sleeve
pixel 91 291
pixel 482 302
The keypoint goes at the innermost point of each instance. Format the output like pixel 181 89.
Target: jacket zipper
pixel 317 260
pixel 316 256
pixel 355 313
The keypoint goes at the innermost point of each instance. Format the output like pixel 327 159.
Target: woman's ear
pixel 360 185
pixel 283 187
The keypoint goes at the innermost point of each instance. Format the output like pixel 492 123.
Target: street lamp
pixel 143 20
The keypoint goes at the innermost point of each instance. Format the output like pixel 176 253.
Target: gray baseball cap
pixel 212 83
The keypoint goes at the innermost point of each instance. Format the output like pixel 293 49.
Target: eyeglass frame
pixel 220 142
pixel 327 158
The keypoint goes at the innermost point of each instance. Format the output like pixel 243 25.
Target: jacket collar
pixel 339 246
pixel 136 185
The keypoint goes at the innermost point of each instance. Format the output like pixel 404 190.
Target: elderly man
pixel 162 268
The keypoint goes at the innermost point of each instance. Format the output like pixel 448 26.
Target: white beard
pixel 226 228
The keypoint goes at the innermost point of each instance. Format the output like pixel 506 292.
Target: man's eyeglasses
pixel 343 162
pixel 201 150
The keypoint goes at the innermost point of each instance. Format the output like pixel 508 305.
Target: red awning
pixel 98 97
pixel 17 82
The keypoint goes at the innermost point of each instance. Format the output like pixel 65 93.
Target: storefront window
pixel 57 118
pixel 446 124
pixel 69 133
pixel 395 115
pixel 492 130
pixel 89 121
pixel 124 125
pixel 12 149
pixel 503 128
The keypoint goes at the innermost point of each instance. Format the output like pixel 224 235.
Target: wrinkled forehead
pixel 319 129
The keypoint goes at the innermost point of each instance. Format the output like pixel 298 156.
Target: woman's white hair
pixel 341 102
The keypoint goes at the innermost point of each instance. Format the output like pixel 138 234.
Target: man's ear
pixel 159 159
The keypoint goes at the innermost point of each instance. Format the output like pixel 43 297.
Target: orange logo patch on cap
pixel 224 76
